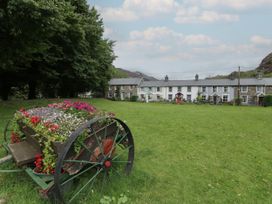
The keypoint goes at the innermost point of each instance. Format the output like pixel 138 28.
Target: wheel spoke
pixel 122 138
pixel 82 188
pixel 97 140
pixel 78 174
pixel 121 152
pixel 85 147
pixel 116 161
pixel 114 142
pixel 81 161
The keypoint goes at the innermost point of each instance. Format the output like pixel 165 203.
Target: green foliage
pixel 117 73
pixel 134 98
pixel 57 49
pixel 268 100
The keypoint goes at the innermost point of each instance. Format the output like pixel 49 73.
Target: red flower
pixel 35 120
pixel 38 163
pixel 14 138
pixel 51 126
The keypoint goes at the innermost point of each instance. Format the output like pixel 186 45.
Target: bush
pixel 134 98
pixel 268 100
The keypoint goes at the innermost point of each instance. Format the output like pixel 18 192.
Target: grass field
pixel 184 154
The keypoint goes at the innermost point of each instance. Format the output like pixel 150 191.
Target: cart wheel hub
pixel 107 164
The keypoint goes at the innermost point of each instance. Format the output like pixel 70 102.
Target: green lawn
pixel 184 154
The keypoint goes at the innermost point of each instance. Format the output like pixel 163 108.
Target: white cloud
pixel 259 40
pixel 235 4
pixel 196 15
pixel 198 39
pixel 118 14
pixel 155 33
pixel 132 10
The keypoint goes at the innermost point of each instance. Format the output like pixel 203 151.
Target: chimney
pixel 196 77
pixel 259 75
pixel 166 78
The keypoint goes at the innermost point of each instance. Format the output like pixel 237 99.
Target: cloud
pixel 259 40
pixel 132 10
pixel 198 39
pixel 235 4
pixel 196 15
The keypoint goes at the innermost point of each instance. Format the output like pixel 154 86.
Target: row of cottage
pixel 252 90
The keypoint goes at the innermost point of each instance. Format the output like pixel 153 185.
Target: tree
pixel 57 48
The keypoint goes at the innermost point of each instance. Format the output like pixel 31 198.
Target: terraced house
pixel 213 91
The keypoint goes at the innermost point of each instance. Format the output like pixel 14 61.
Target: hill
pixel 123 73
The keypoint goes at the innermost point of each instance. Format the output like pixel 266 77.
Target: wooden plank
pixel 23 152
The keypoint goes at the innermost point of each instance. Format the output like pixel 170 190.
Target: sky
pixel 181 38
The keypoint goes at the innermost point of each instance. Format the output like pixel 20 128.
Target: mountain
pixel 265 68
pixel 266 65
pixel 123 73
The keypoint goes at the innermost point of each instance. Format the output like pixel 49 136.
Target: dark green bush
pixel 268 100
pixel 134 98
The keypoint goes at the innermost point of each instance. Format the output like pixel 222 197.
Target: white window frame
pixel 261 89
pixel 244 91
pixel 205 87
pixel 216 89
pixel 158 89
pixel 227 89
pixel 179 88
pixel 189 89
pixel 190 97
pixel 227 98
pixel 122 87
pixel 203 97
pixel 170 87
pixel 169 97
pixel 246 99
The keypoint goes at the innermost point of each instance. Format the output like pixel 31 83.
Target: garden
pixel 183 154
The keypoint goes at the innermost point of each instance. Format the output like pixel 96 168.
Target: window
pixel 203 97
pixel 158 97
pixel 214 88
pixel 225 98
pixel 142 88
pixel 158 89
pixel 131 87
pixel 259 88
pixel 244 99
pixel 115 87
pixel 226 89
pixel 170 89
pixel 189 97
pixel 204 89
pixel 170 96
pixel 189 89
pixel 142 96
pixel 150 88
pixel 244 89
pixel 179 88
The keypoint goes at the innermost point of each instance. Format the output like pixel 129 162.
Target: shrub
pixel 268 100
pixel 134 98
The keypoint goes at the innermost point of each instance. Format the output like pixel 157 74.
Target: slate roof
pixel 208 82
pixel 125 81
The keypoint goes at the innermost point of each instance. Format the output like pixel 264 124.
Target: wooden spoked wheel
pixel 101 146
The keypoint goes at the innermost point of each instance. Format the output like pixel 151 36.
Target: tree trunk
pixel 4 90
pixel 32 89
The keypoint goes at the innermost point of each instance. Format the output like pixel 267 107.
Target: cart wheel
pixel 107 149
pixel 7 132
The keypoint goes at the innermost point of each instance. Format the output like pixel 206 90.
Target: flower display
pixel 54 123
